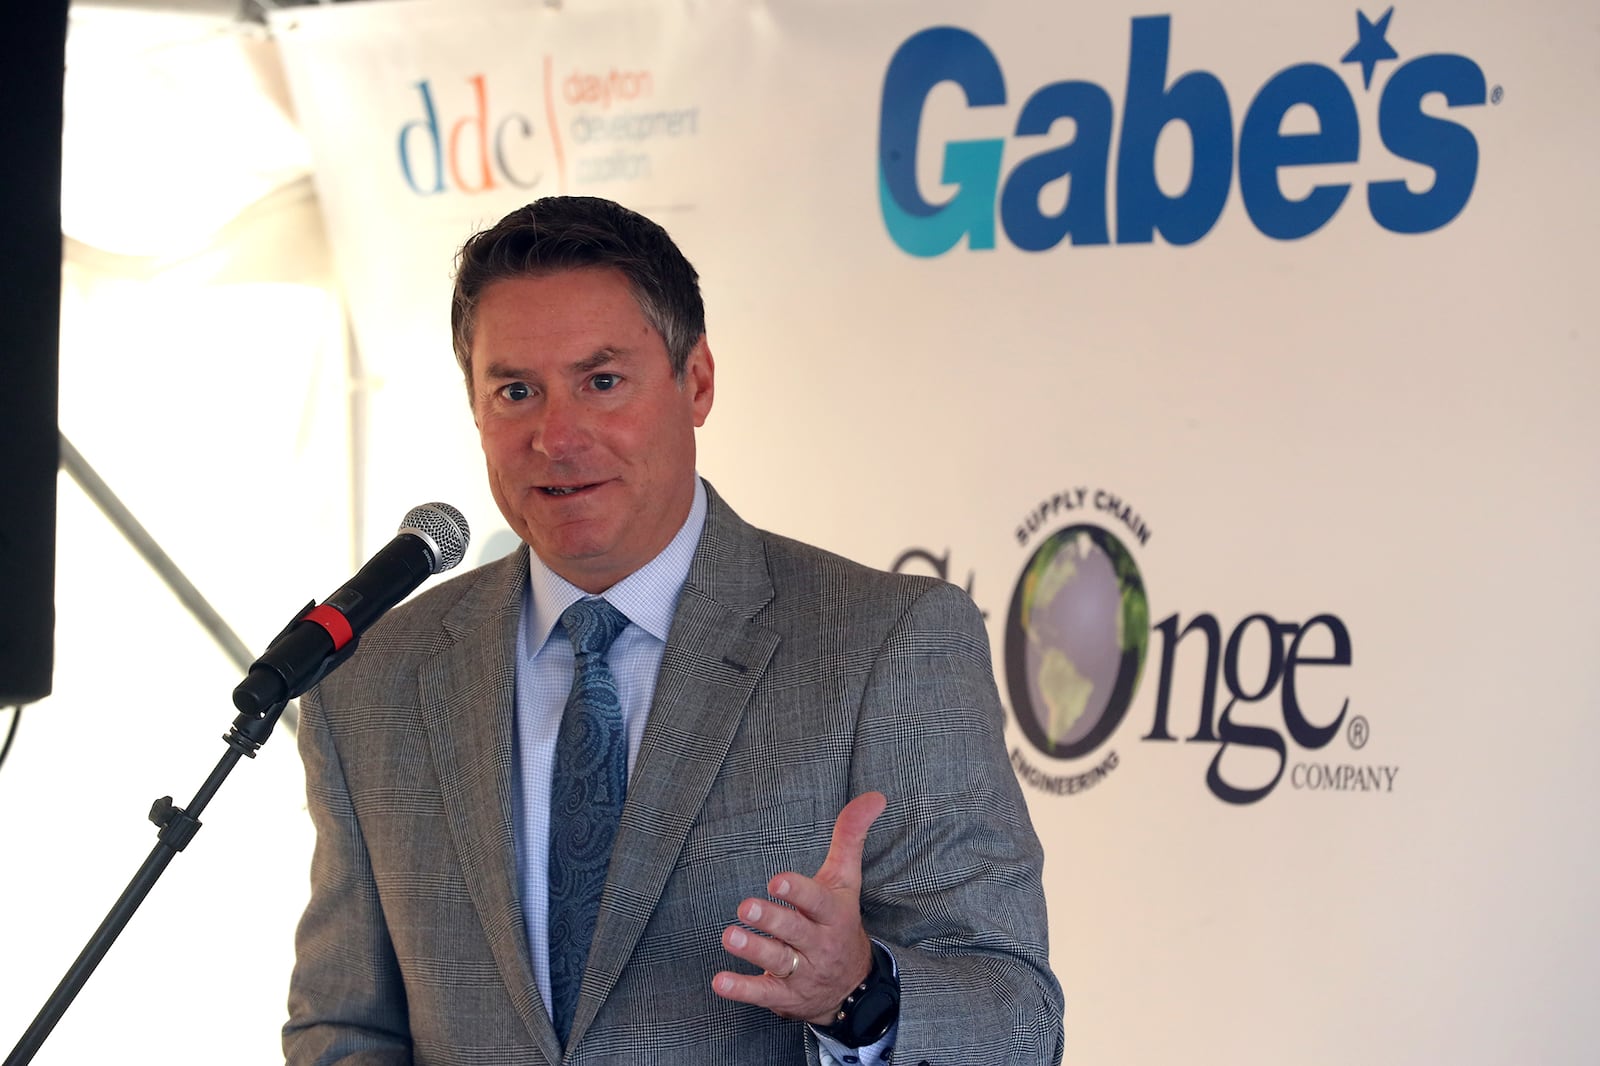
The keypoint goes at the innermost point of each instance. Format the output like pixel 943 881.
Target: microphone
pixel 432 538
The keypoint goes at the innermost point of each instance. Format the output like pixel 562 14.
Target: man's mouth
pixel 563 490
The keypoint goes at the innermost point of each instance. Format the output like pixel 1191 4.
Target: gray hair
pixel 559 233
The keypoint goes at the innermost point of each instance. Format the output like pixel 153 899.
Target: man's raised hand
pixel 815 950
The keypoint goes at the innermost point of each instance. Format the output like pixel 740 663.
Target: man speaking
pixel 662 787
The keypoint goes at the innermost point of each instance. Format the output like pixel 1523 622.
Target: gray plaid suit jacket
pixel 793 680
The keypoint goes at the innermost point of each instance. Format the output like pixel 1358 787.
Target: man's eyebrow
pixel 497 369
pixel 601 357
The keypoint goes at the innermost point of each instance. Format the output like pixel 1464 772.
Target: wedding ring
pixel 794 964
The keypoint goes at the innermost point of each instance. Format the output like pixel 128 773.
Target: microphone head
pixel 443 529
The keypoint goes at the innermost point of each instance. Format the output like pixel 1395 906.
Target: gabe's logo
pixel 1150 105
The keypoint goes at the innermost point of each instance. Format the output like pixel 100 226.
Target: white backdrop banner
pixel 1239 363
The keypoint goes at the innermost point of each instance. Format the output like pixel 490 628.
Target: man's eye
pixel 516 391
pixel 604 382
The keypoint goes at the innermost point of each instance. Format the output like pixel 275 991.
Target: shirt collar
pixel 648 596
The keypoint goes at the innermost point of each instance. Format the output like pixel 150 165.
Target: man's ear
pixel 699 380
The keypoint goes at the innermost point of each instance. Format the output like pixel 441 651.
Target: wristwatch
pixel 869 1011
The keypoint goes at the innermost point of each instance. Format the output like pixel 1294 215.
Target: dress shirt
pixel 649 597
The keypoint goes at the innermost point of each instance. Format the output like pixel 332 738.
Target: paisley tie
pixel 586 793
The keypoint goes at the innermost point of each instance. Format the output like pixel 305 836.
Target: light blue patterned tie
pixel 586 793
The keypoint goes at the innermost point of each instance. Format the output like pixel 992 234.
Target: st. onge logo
pixel 1290 140
pixel 1264 700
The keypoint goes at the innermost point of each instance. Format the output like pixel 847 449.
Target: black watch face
pixel 873 1015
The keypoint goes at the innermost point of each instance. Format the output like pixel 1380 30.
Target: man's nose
pixel 563 430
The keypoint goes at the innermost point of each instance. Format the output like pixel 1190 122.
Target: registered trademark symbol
pixel 1359 732
pixel 1496 95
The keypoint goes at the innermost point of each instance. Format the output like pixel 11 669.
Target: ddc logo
pixel 1150 104
pixel 471 157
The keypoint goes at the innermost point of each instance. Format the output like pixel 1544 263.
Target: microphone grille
pixel 443 528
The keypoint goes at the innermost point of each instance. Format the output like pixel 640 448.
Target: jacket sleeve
pixel 346 1000
pixel 952 875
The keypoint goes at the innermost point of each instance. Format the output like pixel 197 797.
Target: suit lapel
pixel 715 656
pixel 468 707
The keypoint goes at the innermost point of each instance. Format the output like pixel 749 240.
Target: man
pixel 662 788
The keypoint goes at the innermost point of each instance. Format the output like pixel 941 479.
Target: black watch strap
pixel 872 1008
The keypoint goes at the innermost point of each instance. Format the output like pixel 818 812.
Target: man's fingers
pixel 843 864
pixel 774 956
pixel 788 984
pixel 794 924
pixel 757 989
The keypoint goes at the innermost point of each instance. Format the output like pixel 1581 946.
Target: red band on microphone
pixel 336 624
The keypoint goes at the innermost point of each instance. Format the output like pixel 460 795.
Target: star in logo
pixel 1370 48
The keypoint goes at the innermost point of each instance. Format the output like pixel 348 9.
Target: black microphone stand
pixel 178 827
pixel 306 653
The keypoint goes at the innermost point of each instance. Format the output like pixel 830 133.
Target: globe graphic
pixel 1076 637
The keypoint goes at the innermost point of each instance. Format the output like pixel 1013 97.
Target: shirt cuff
pixel 836 1054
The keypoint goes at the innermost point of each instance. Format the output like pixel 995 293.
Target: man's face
pixel 588 436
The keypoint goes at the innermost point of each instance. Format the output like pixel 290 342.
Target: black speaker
pixel 32 65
